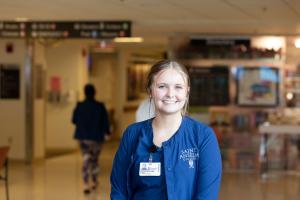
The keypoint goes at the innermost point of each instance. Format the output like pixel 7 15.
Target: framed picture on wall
pixel 257 86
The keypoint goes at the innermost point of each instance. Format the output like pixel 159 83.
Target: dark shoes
pixel 86 191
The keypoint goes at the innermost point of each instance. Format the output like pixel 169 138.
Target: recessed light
pixel 21 19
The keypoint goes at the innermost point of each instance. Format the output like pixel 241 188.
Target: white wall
pixel 67 61
pixel 103 76
pixel 12 112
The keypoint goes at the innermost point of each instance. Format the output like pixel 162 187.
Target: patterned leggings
pixel 90 151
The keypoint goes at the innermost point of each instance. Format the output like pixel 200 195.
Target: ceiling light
pixel 21 19
pixel 128 39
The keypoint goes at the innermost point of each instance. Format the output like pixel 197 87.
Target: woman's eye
pixel 161 86
pixel 179 87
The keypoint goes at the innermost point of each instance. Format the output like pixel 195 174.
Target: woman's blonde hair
pixel 168 64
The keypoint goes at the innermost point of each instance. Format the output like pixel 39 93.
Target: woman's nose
pixel 170 92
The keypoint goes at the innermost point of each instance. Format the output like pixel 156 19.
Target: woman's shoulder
pixel 134 129
pixel 197 127
pixel 194 123
pixel 138 125
pixel 199 132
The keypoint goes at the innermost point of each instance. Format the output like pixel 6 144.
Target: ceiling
pixel 163 18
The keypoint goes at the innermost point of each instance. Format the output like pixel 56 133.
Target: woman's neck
pixel 164 127
pixel 167 121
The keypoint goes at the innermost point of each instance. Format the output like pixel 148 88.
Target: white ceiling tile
pixel 164 17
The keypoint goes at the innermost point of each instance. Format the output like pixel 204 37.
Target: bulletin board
pixel 9 81
pixel 209 85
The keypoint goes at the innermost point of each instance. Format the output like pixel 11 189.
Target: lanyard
pixel 152 150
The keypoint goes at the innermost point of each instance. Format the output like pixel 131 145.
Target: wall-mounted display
pixel 209 85
pixel 257 86
pixel 9 81
pixel 54 95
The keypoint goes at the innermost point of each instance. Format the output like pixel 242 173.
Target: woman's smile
pixel 169 101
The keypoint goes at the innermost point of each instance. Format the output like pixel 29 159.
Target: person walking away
pixel 92 126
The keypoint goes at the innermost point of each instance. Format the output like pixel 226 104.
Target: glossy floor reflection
pixel 59 178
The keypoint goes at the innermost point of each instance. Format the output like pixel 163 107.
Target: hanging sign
pixel 65 29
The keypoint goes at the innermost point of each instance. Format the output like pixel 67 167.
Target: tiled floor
pixel 59 179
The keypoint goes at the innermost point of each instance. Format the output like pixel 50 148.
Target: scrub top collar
pixel 166 143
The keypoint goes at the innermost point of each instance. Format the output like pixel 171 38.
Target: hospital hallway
pixel 59 178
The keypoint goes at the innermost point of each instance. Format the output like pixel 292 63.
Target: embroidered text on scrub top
pixel 189 155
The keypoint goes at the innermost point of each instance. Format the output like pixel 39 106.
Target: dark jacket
pixel 91 120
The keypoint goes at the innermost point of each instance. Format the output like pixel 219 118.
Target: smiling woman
pixel 170 156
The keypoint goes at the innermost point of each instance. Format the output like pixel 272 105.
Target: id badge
pixel 149 169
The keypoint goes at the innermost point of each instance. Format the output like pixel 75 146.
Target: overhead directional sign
pixel 13 29
pixel 65 29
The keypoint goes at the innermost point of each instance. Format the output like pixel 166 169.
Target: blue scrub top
pixel 190 164
pixel 147 187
